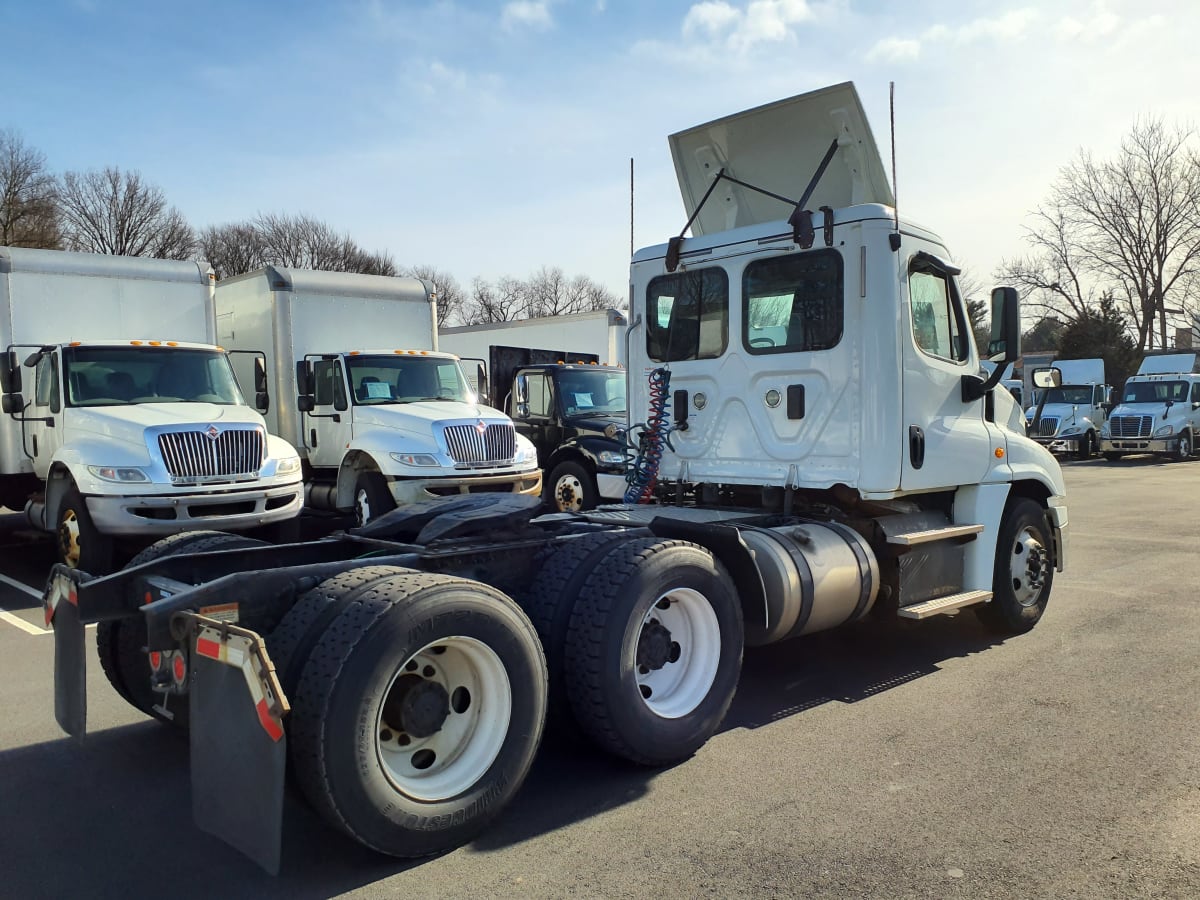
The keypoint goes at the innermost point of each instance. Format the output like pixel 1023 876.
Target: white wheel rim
pixel 453 758
pixel 568 494
pixel 362 505
pixel 679 685
pixel 68 537
pixel 1028 567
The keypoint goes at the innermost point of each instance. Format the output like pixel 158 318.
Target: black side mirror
pixel 13 403
pixel 304 377
pixel 305 403
pixel 262 401
pixel 481 382
pixel 10 374
pixel 1005 340
pixel 260 375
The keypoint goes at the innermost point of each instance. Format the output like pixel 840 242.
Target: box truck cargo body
pixel 380 417
pixel 122 418
pixel 600 333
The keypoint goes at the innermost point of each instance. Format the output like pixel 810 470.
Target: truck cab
pixel 570 412
pixel 1071 416
pixel 386 428
pixel 1158 413
pixel 143 438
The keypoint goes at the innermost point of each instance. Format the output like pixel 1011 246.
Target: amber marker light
pixel 999 453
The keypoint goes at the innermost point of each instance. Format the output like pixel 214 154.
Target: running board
pixel 935 534
pixel 942 605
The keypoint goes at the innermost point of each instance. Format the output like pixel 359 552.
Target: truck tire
pixel 371 497
pixel 571 488
pixel 1088 445
pixel 121 644
pixel 80 544
pixel 418 713
pixel 1024 571
pixel 1184 449
pixel 551 600
pixel 654 650
pixel 292 640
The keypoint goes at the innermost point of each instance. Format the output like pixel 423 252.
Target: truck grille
pixel 1048 426
pixel 229 453
pixel 470 444
pixel 1130 426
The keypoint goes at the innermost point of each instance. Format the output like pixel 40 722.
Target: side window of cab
pixel 938 322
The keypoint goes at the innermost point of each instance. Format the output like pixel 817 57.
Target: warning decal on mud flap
pixel 224 612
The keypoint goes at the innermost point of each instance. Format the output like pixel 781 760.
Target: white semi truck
pixel 1071 417
pixel 121 417
pixel 816 445
pixel 1159 410
pixel 376 427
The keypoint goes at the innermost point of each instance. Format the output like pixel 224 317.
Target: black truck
pixel 570 407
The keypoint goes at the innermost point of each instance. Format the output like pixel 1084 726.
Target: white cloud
pixel 761 21
pixel 1013 24
pixel 891 50
pixel 532 14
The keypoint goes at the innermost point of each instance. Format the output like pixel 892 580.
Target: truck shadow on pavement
pixel 112 816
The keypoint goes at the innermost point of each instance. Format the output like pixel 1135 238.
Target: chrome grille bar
pixel 193 454
pixel 496 443
pixel 1130 426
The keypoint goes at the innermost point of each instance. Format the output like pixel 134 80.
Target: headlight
pixel 611 457
pixel 289 465
pixel 526 452
pixel 1165 431
pixel 1074 429
pixel 414 459
pixel 1104 432
pixel 126 474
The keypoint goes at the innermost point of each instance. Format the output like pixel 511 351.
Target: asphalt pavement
pixel 929 760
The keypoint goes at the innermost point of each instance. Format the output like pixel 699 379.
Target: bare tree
pixel 450 295
pixel 296 241
pixel 28 211
pixel 1129 228
pixel 502 302
pixel 115 212
pixel 551 293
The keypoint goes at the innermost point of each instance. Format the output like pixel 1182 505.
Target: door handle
pixel 916 446
pixel 312 438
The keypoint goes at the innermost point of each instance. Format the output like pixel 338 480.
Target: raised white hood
pixel 778 147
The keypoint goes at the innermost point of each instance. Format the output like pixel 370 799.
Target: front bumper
pixel 1069 444
pixel 1056 514
pixel 1139 445
pixel 413 490
pixel 232 510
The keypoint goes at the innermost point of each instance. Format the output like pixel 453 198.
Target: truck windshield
pixel 122 376
pixel 586 391
pixel 1155 391
pixel 407 379
pixel 1070 393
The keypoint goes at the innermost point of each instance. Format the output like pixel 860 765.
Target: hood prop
pixel 803 232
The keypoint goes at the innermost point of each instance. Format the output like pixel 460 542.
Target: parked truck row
pixel 816 446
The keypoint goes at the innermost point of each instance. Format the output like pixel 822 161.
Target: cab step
pixel 941 605
pixel 935 534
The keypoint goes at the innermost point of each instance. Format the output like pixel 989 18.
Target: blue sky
pixel 491 138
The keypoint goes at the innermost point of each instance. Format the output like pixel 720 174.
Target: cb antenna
pixel 894 237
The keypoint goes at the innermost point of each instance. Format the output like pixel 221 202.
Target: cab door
pixel 946 440
pixel 328 425
pixel 44 417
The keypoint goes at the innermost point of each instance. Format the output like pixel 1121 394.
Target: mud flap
pixel 70 666
pixel 238 746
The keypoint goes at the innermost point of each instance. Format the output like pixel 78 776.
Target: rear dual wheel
pixel 418 710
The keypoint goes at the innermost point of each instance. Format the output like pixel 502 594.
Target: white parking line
pixel 8 617
pixel 24 588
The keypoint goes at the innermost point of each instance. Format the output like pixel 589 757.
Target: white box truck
pixel 1159 410
pixel 600 333
pixel 381 418
pixel 121 417
pixel 1069 418
pixel 833 453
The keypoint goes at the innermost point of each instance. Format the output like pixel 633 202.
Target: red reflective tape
pixel 73 598
pixel 267 721
pixel 206 647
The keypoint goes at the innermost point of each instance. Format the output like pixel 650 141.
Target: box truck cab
pixel 377 428
pixel 122 419
pixel 1159 410
pixel 1070 417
